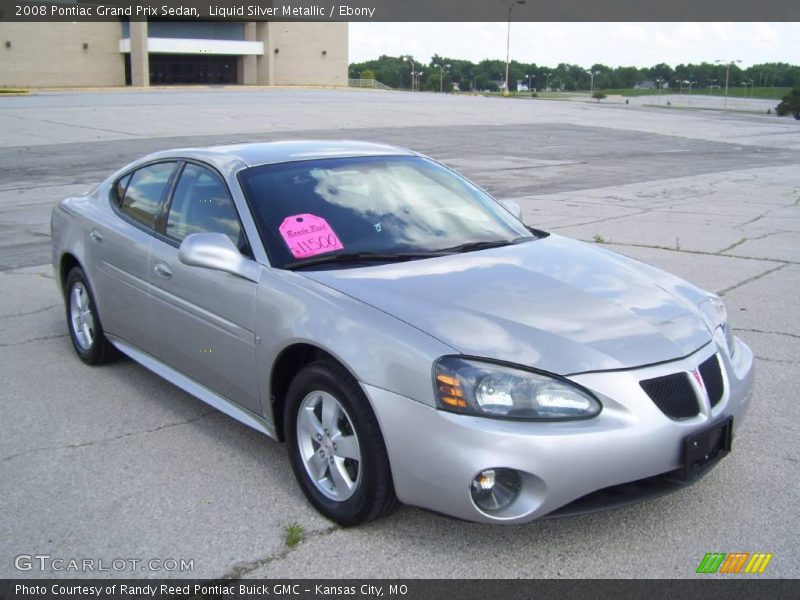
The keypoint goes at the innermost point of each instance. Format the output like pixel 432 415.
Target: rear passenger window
pixel 144 192
pixel 122 185
pixel 201 203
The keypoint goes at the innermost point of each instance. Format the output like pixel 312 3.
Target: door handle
pixel 96 236
pixel 162 270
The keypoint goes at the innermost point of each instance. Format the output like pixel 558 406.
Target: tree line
pixel 396 72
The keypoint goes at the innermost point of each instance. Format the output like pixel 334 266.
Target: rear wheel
pixel 336 447
pixel 83 322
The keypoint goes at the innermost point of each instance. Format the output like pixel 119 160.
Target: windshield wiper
pixel 472 246
pixel 362 257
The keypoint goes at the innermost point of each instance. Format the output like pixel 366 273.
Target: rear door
pixel 120 247
pixel 205 319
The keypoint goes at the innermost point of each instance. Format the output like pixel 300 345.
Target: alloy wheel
pixel 81 318
pixel 329 446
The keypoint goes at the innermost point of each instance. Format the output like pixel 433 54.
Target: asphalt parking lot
pixel 112 462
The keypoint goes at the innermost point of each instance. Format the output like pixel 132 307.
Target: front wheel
pixel 335 446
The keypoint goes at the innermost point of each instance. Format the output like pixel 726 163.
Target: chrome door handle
pixel 163 270
pixel 96 236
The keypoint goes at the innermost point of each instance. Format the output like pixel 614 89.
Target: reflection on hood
pixel 555 304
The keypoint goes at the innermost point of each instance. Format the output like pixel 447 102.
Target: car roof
pixel 262 153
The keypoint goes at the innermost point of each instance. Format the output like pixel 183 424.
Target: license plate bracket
pixel 704 449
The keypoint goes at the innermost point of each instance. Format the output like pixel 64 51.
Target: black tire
pixel 374 496
pixel 100 350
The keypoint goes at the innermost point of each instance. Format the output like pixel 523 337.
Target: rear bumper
pixel 435 455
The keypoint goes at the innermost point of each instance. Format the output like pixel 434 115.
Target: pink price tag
pixel 308 235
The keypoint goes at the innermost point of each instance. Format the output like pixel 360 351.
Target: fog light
pixel 495 489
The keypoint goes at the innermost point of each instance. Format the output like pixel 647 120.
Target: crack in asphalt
pixel 32 312
pixel 239 569
pixel 110 439
pixel 784 333
pixel 777 360
pixel 751 279
pixel 18 273
pixel 783 262
pixel 604 220
pixel 36 339
pixel 758 237
pixel 732 246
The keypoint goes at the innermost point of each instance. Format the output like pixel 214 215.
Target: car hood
pixel 555 304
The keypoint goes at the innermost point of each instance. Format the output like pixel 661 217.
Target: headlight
pixel 490 390
pixel 716 316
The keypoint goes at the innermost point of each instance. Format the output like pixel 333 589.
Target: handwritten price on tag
pixel 308 235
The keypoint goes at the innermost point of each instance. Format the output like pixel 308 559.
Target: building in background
pixel 85 54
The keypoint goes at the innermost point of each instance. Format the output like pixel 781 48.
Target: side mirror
pixel 513 208
pixel 216 251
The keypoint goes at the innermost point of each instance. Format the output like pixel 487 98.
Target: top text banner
pixel 404 10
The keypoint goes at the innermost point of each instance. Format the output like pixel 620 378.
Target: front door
pixel 205 319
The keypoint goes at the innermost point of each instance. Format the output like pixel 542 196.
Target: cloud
pixel 613 44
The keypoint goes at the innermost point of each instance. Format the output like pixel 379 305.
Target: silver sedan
pixel 405 334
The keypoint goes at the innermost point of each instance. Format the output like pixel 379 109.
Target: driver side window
pixel 201 203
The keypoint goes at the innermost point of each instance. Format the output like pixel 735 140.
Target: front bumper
pixel 435 454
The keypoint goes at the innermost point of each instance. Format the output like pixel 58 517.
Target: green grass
pixel 12 91
pixel 770 93
pixel 294 534
pixel 764 93
pixel 730 110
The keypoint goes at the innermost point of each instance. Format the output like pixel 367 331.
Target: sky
pixel 612 44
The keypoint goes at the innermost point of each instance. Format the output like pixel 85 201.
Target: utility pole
pixel 727 79
pixel 413 67
pixel 591 83
pixel 510 4
pixel 441 75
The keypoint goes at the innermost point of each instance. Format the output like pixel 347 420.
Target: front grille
pixel 712 379
pixel 673 395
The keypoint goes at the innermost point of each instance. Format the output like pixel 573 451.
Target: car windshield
pixel 371 208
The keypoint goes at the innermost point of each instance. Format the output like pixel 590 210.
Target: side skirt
pixel 190 386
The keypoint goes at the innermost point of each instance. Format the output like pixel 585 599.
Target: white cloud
pixel 613 44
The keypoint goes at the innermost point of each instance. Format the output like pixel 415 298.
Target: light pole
pixel 591 82
pixel 413 66
pixel 690 84
pixel 510 4
pixel 660 84
pixel 529 82
pixel 547 82
pixel 441 75
pixel 727 78
pixel 712 86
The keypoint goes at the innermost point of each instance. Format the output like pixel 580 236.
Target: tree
pixel 367 74
pixel 395 71
pixel 627 76
pixel 790 104
pixel 661 71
